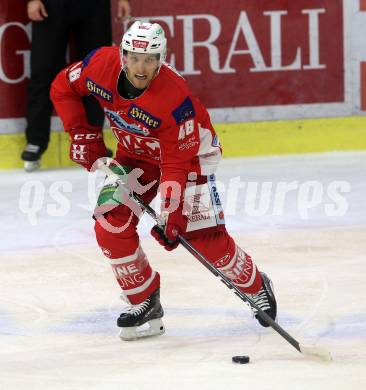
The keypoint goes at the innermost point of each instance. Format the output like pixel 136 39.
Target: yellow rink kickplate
pixel 237 139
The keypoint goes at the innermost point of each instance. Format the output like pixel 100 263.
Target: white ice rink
pixel 59 300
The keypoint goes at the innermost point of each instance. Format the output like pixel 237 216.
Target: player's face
pixel 141 68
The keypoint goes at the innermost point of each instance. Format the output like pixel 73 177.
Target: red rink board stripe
pixel 363 69
pixel 363 86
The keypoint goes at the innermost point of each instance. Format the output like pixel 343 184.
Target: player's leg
pixel 207 233
pixel 92 29
pixel 117 237
pixel 91 24
pixel 222 251
pixel 49 41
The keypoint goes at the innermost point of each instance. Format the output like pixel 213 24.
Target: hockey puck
pixel 240 359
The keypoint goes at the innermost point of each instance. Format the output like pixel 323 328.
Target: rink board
pixel 237 139
pixel 270 60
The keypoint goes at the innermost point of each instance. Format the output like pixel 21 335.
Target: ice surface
pixel 59 301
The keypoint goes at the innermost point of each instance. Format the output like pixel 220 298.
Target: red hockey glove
pixel 175 224
pixel 86 147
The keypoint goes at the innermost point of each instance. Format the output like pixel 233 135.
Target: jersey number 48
pixel 186 129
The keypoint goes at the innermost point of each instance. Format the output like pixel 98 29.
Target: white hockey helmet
pixel 148 38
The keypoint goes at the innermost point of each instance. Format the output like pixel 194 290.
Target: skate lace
pixel 261 300
pixel 136 310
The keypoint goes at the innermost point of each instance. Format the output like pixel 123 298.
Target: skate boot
pixel 148 312
pixel 31 157
pixel 265 299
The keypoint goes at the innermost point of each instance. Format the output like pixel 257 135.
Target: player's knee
pixel 115 241
pixel 119 222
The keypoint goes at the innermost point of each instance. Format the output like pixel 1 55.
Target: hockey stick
pixel 310 351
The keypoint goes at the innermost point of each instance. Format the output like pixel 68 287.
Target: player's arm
pixel 179 143
pixel 67 90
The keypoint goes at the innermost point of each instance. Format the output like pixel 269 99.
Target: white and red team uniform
pixel 166 132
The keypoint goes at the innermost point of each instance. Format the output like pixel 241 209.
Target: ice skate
pixel 142 320
pixel 265 299
pixel 32 157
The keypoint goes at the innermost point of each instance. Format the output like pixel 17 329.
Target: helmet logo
pixel 140 44
pixel 145 26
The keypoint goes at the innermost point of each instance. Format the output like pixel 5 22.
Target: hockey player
pixel 165 133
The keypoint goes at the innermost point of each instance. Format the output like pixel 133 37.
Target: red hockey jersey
pixel 166 125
